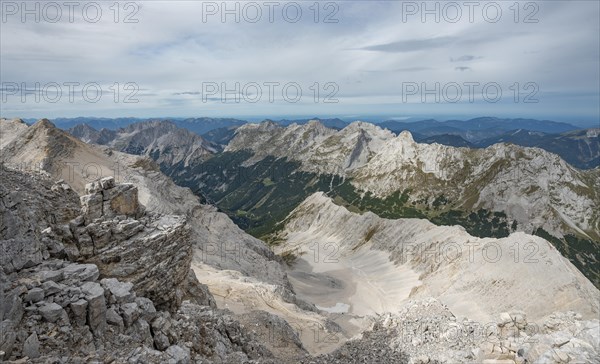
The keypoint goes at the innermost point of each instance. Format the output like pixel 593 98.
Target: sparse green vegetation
pixel 372 230
pixel 368 236
pixel 290 257
pixel 267 182
pixel 583 253
pixel 259 197
pixel 482 223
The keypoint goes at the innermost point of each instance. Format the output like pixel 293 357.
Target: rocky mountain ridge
pixel 448 259
pixel 218 245
pixel 468 304
pixel 502 177
pixel 164 141
pixel 579 148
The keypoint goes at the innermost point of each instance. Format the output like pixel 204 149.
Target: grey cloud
pixel 411 45
pixel 405 69
pixel 465 58
pixel 463 69
pixel 194 93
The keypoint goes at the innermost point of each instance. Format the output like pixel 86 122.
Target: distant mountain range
pixel 200 125
pixel 580 148
pixel 163 141
pixel 477 129
pixel 472 130
pixel 197 125
pixel 96 123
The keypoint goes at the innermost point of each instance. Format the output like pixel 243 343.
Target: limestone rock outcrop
pixel 107 285
pixel 151 251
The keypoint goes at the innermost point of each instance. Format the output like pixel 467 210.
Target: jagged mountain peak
pixel 268 124
pixel 362 125
pixel 44 132
pixel 15 120
pixel 161 140
pixel 503 177
pixel 264 125
pixel 315 126
pixel 371 131
pixel 84 126
pixel 44 123
pixel 316 123
pixel 406 136
pixel 157 124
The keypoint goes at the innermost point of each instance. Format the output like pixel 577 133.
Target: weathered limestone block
pixel 79 309
pixel 94 295
pixel 31 347
pixel 119 292
pixel 34 295
pixel 92 207
pixel 51 312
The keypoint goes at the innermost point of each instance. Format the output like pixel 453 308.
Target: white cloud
pixel 170 52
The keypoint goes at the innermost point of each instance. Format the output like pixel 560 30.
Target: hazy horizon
pixel 372 119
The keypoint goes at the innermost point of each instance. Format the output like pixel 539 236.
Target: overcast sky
pixel 373 58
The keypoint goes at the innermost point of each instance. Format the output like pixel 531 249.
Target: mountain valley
pixel 339 263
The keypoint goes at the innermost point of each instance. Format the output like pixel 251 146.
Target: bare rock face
pixel 105 286
pixel 28 207
pixel 150 251
pixel 106 199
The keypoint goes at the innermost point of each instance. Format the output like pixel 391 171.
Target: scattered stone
pixel 161 341
pixel 113 318
pixel 31 347
pixel 81 272
pixel 7 337
pixel 146 307
pixel 120 292
pixel 34 295
pixel 91 207
pixel 178 355
pixel 51 312
pixel 107 183
pixel 504 319
pixel 16 254
pixel 51 287
pixel 130 313
pixel 51 275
